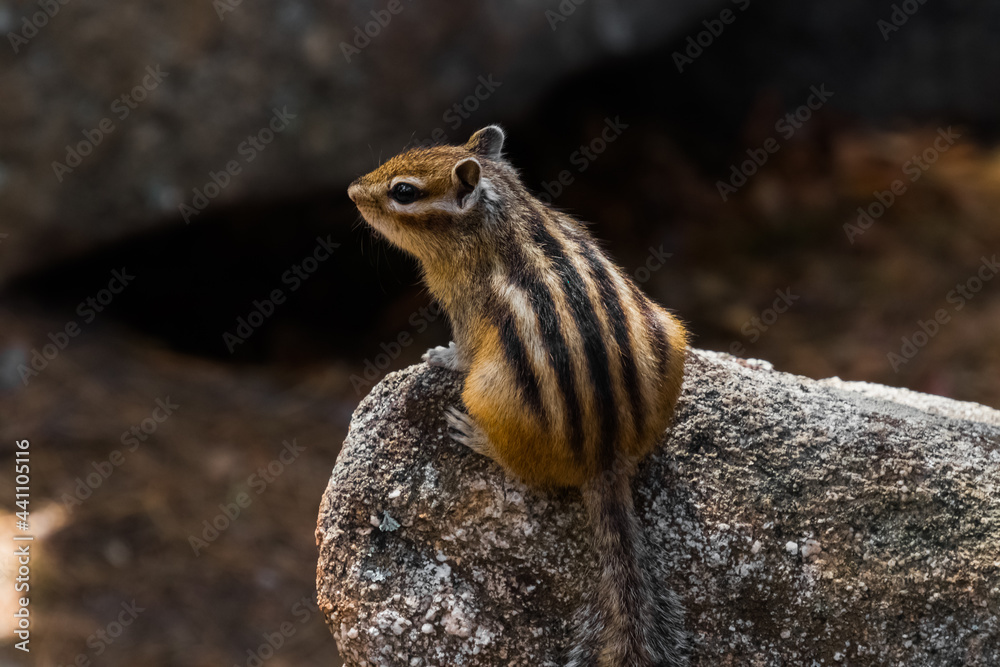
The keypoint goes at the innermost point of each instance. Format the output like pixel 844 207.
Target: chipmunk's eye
pixel 404 193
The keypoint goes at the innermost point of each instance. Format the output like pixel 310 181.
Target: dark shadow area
pixel 196 283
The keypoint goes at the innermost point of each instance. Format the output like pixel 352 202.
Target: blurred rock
pixel 802 522
pixel 145 103
pixel 113 117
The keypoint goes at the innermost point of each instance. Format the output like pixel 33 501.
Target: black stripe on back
pixel 593 340
pixel 526 278
pixel 619 325
pixel 517 357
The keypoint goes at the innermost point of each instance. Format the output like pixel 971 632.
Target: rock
pixel 430 555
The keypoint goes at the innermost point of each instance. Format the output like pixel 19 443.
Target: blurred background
pixel 190 309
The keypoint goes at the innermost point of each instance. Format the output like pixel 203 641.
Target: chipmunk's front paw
pixel 443 357
pixel 465 431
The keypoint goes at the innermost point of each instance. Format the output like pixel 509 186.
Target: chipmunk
pixel 570 373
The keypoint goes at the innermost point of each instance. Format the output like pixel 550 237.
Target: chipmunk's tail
pixel 628 625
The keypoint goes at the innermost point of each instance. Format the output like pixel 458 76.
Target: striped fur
pixel 571 373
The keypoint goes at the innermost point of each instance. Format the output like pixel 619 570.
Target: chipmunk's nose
pixel 354 191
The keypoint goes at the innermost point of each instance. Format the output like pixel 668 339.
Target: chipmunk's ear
pixel 465 177
pixel 487 142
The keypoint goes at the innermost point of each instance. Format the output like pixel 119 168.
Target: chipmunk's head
pixel 432 202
